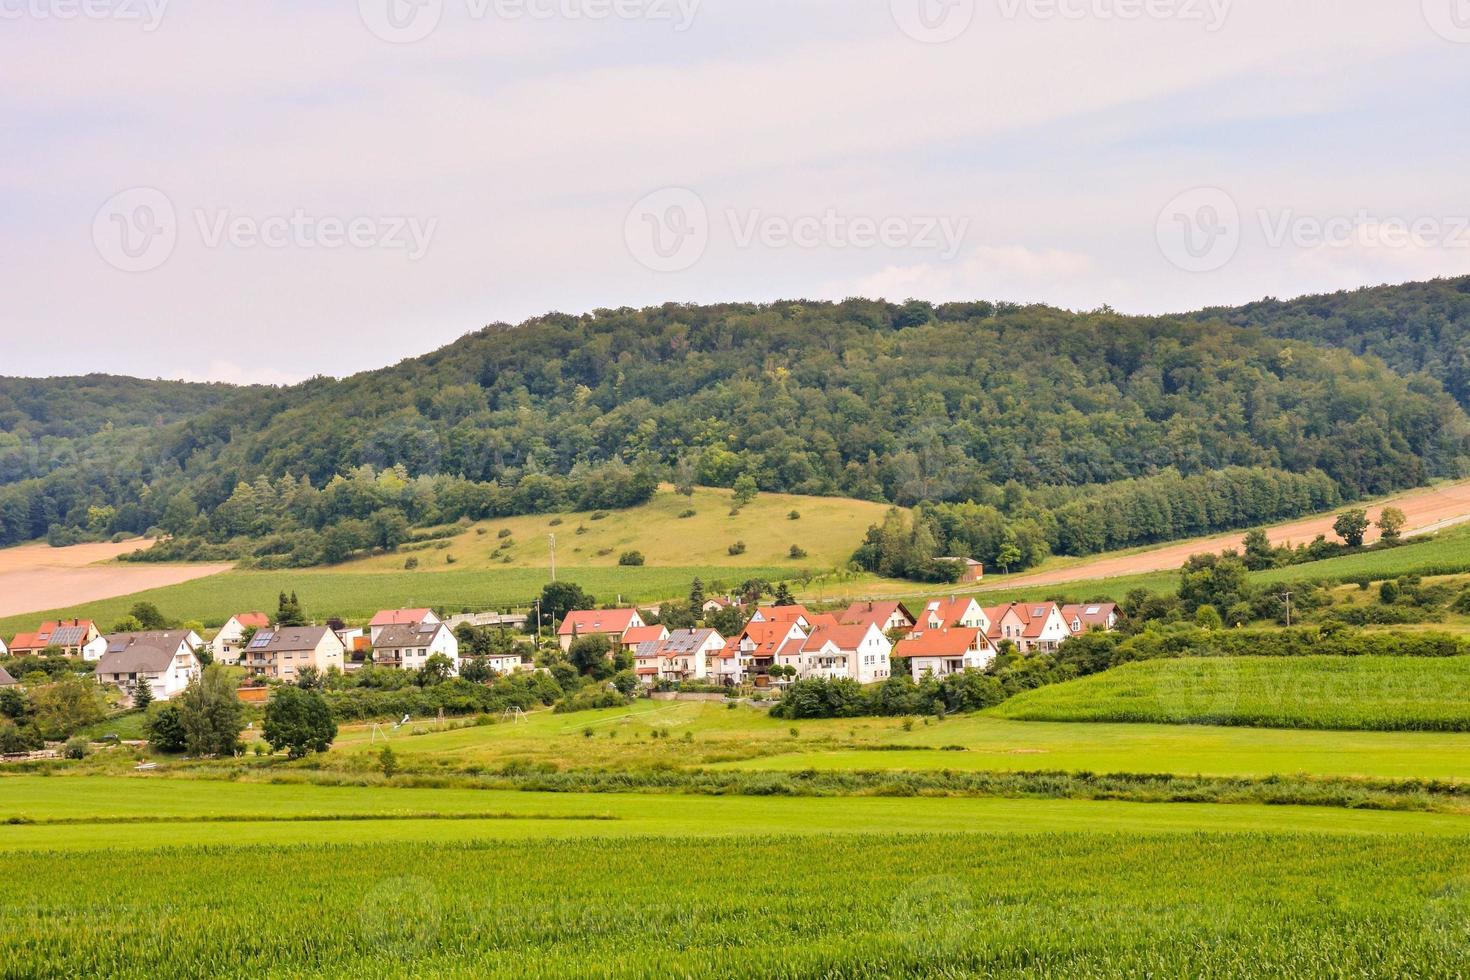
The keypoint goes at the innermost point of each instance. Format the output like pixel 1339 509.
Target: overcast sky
pixel 266 191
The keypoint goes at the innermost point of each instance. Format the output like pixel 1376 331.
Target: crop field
pixel 747 739
pixel 355 596
pixel 1380 693
pixel 944 903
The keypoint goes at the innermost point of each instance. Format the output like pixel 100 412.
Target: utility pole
pixel 1287 597
pixel 553 556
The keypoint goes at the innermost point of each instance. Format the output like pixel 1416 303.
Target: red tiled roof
pixel 257 619
pixel 939 643
pixel 847 637
pixel 874 612
pixel 609 621
pixel 400 617
pixel 45 636
pixel 949 611
pixel 644 634
pixel 783 614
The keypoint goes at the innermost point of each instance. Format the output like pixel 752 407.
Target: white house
pixel 409 647
pixel 783 614
pixel 284 652
pixel 684 656
pixel 505 663
pixel 1032 627
pixel 228 644
pixel 611 623
pixel 1095 616
pixel 399 617
pixel 952 613
pixel 861 652
pixel 4 650
pixel 945 651
pixel 164 660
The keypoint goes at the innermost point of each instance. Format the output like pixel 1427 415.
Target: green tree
pixel 560 598
pixel 591 655
pixel 1208 617
pixel 148 615
pixel 388 761
pixel 1391 523
pixel 1008 555
pixel 784 596
pixel 66 705
pixel 436 670
pixel 164 728
pixel 299 721
pixel 1351 526
pixel 211 713
pixel 1259 554
pixel 128 624
pixel 696 595
pixel 746 489
pixel 289 611
pixel 142 695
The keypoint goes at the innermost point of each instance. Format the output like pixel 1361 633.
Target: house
pixel 974 570
pixel 763 645
pixel 505 663
pixel 887 616
pixel 398 617
pixel 6 680
pixel 716 604
pixel 645 634
pixel 73 637
pixel 4 650
pixel 227 643
pixel 942 652
pixel 722 666
pixel 1032 627
pixel 163 659
pixel 282 653
pixel 1085 618
pixel 783 614
pixel 858 651
pixel 684 656
pixel 357 646
pixel 408 646
pixel 612 623
pixel 950 613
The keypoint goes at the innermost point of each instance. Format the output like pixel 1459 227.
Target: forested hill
pixel 1422 326
pixel 864 399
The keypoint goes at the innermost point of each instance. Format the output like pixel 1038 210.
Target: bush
pixel 410 564
pixel 164 728
pixel 685 515
pixel 78 748
pixel 797 551
pixel 631 559
pixel 738 548
pixel 591 699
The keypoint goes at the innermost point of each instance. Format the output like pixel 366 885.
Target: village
pixel 777 645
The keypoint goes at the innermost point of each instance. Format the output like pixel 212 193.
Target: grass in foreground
pixel 1376 693
pixel 941 904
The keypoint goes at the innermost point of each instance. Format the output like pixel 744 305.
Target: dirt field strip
pixel 38 576
pixel 1427 511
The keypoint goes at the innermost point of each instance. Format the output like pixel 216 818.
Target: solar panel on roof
pixel 261 640
pixel 1093 610
pixel 117 646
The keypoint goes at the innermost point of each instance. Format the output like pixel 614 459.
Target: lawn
pixel 828 529
pixel 941 903
pixel 355 596
pixel 1382 693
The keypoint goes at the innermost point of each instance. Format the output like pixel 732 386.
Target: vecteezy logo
pixel 668 231
pixel 1449 18
pixel 933 21
pixel 401 21
pixel 136 230
pixel 1199 231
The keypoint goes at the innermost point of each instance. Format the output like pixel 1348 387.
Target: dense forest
pixel 1040 414
pixel 1419 327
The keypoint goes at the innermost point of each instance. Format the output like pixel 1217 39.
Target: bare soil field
pixel 37 576
pixel 1427 510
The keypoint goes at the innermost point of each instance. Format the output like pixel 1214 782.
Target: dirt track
pixel 35 577
pixel 1426 510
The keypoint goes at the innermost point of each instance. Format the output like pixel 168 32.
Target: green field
pixel 355 596
pixel 749 739
pixel 1381 693
pixel 937 903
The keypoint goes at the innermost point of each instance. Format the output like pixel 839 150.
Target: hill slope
pixel 859 399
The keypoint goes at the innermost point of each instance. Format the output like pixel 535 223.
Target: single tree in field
pixel 211 714
pixel 745 489
pixel 1391 522
pixel 299 722
pixel 696 595
pixel 1008 555
pixel 1351 526
pixel 143 695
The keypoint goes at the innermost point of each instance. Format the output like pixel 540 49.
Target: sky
pixel 262 192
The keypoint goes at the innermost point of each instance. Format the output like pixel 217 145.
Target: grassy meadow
pixel 1378 693
pixel 942 902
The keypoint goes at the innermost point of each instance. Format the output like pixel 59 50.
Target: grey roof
pixel 131 653
pixel 407 635
pixel 685 642
pixel 288 639
pixel 5 679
